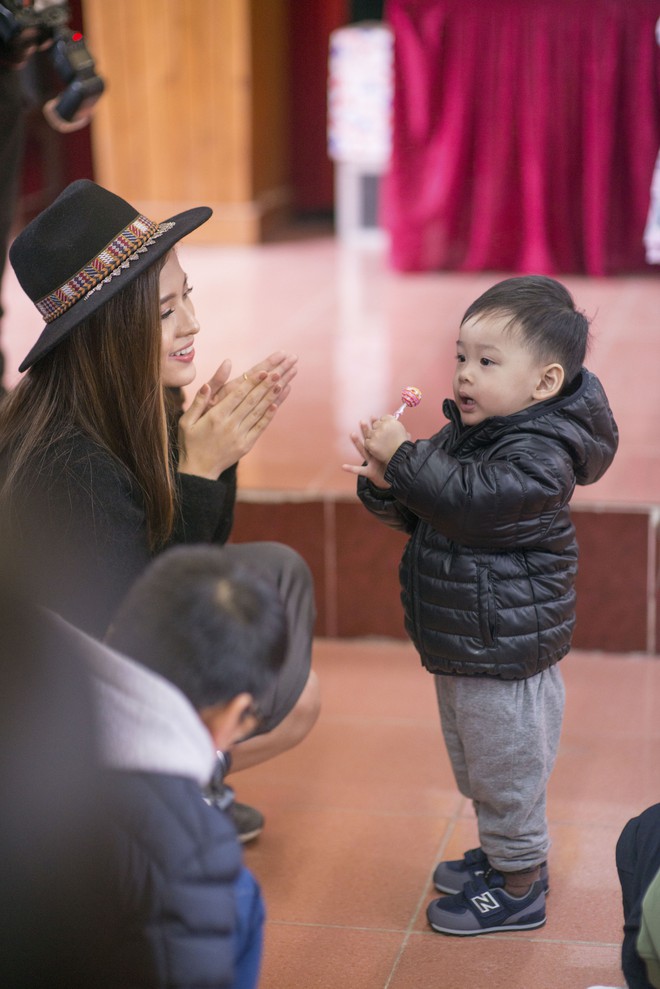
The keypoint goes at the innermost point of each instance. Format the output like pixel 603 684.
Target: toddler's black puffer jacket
pixel 488 574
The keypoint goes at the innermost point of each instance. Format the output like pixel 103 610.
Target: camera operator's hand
pixel 16 53
pixel 80 120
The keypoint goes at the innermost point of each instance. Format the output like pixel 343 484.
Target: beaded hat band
pixel 67 258
pixel 115 257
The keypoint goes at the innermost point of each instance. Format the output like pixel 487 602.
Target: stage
pixel 362 333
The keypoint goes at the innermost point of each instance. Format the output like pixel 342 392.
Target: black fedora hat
pixel 82 250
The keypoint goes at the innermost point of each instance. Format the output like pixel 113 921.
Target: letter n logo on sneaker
pixel 485 902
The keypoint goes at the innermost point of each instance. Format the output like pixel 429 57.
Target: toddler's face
pixel 496 373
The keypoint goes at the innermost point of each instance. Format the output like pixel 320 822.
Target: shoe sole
pixel 249 836
pixel 489 930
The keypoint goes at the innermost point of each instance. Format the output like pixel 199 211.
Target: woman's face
pixel 179 325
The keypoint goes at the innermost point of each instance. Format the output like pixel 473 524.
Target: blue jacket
pixel 176 862
pixel 173 859
pixel 488 574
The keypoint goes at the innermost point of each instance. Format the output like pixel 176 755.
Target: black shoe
pixel 248 821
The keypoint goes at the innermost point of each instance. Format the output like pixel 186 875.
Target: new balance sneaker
pixel 485 909
pixel 451 877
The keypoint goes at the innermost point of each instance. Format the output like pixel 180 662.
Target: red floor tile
pixel 359 814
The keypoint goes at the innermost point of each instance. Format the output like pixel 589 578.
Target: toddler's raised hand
pixel 385 437
pixel 372 469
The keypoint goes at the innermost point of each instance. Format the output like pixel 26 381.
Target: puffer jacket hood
pixel 487 577
pixel 173 861
pixel 581 421
pixel 144 723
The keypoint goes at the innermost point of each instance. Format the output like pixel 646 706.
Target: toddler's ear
pixel 550 382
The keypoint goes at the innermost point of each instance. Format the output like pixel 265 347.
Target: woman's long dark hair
pixel 104 380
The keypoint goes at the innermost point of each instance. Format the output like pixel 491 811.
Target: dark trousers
pixel 638 861
pixel 292 576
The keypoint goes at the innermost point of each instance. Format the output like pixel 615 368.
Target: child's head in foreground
pixel 520 343
pixel 208 625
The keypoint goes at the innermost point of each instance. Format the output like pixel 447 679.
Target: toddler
pixel 488 574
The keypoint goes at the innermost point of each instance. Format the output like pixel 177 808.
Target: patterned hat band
pixel 110 262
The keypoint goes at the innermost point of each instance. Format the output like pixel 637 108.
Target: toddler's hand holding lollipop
pixel 379 439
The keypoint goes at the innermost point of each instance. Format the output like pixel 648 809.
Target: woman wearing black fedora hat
pixel 99 470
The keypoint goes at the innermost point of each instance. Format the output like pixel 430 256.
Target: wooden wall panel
pixel 270 126
pixel 195 110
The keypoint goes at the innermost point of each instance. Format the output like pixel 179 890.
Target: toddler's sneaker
pixel 485 909
pixel 451 877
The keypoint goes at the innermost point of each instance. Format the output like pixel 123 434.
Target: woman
pixel 98 470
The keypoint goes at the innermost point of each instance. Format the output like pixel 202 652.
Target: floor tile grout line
pixel 408 932
pixel 449 831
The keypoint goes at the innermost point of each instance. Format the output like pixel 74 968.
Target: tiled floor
pixel 359 814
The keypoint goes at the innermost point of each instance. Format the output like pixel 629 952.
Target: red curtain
pixel 524 134
pixel 312 176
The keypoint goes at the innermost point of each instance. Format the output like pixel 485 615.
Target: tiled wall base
pixel 354 561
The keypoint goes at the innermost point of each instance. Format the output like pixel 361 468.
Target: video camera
pixel 38 23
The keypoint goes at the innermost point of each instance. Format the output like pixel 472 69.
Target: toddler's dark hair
pixel 210 626
pixel 544 311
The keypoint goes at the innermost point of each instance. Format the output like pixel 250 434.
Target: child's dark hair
pixel 210 626
pixel 544 310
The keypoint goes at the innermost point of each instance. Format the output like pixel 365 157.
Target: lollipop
pixel 410 397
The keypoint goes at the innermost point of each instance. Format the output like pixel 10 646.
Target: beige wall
pixel 195 110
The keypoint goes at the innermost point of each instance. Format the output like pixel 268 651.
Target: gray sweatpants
pixel 502 738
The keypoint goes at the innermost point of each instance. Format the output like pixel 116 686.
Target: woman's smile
pixel 179 325
pixel 186 354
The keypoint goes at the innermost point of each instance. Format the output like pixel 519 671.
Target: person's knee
pixel 286 564
pixel 306 710
pixel 296 564
pixel 286 567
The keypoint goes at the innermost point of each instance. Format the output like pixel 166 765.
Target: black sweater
pixel 79 527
